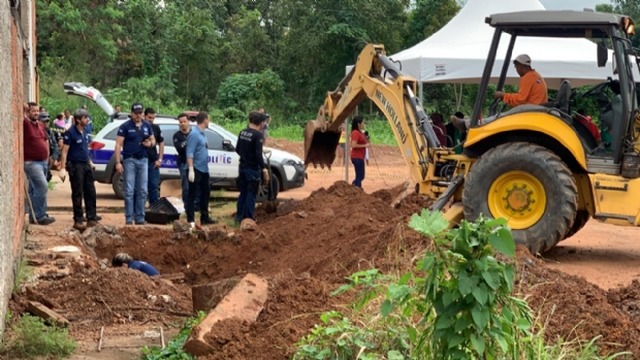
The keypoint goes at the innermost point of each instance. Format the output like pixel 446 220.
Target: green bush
pixel 32 337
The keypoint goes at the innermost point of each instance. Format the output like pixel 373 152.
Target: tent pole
pixel 421 93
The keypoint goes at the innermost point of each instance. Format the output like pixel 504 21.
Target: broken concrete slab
pixel 244 302
pixel 47 314
pixel 206 296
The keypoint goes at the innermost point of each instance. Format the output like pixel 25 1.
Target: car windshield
pixel 224 132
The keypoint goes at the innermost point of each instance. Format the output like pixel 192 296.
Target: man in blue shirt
pixel 135 136
pixel 75 158
pixel 124 258
pixel 198 171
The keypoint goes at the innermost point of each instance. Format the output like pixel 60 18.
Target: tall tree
pixel 79 37
pixel 428 17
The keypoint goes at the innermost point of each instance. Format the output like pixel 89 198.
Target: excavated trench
pixel 304 250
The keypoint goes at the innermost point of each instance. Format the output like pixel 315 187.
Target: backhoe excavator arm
pixel 377 78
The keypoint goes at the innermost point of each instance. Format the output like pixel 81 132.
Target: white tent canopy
pixel 457 53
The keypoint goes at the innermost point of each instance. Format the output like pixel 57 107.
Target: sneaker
pixel 208 221
pixel 141 222
pixel 129 223
pixel 98 218
pixel 92 223
pixel 79 226
pixel 46 220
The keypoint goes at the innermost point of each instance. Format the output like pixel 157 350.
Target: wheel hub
pixel 519 197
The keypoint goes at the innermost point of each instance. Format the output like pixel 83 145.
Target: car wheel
pixel 263 191
pixel 117 184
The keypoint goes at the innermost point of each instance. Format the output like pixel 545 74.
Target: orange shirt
pixel 531 90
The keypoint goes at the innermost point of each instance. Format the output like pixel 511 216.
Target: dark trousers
pixel 198 188
pixel 248 183
pixel 82 187
pixel 153 181
pixel 358 165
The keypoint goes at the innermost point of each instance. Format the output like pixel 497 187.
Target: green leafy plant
pixel 468 292
pixel 32 337
pixel 173 350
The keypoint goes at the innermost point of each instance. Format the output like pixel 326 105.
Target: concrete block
pixel 244 302
pixel 47 314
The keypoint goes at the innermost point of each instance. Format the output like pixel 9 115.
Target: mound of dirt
pixel 116 296
pixel 571 308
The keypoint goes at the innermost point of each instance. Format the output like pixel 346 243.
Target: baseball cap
pixel 137 107
pixel 523 59
pixel 44 116
pixel 80 113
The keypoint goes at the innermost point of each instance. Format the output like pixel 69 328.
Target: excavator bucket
pixel 319 145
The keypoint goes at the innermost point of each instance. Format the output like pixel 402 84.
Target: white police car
pixel 287 169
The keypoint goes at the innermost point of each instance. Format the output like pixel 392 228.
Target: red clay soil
pixel 305 250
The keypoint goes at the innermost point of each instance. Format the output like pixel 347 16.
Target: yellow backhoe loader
pixel 535 165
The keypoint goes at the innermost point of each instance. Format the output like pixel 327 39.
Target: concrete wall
pixel 16 50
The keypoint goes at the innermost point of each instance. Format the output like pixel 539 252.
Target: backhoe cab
pixel 545 168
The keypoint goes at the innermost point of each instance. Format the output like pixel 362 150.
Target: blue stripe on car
pixel 104 156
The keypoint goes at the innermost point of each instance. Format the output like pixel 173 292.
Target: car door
pixel 223 163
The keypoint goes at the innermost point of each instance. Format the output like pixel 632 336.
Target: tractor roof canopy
pixel 563 23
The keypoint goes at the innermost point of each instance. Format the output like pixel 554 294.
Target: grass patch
pixel 379 131
pixel 23 274
pixel 32 337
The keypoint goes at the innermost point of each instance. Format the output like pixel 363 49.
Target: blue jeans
pixel 358 165
pixel 248 183
pixel 154 183
pixel 184 182
pixel 38 187
pixel 135 188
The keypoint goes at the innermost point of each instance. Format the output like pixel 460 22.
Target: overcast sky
pixel 572 4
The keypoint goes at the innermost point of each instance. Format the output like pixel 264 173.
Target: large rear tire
pixel 529 186
pixel 582 216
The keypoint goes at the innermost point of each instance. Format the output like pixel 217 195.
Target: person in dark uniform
pixel 252 167
pixel 180 143
pixel 154 157
pixel 125 259
pixel 134 137
pixel 75 158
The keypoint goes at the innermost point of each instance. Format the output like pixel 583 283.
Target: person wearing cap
pixel 125 259
pixel 531 89
pixel 36 165
pixel 154 156
pixel 76 161
pixel 134 137
pixel 54 149
pixel 198 171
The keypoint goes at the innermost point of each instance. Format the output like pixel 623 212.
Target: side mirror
pixel 227 145
pixel 603 55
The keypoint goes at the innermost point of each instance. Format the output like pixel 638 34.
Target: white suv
pixel 287 169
